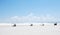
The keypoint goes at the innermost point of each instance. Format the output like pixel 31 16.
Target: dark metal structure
pixel 14 25
pixel 31 25
pixel 55 24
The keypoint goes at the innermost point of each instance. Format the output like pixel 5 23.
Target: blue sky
pixel 12 8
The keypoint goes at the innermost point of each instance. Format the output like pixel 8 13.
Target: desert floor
pixel 26 29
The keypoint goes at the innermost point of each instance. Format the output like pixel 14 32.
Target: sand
pixel 27 29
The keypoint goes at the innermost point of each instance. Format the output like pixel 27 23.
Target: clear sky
pixel 18 8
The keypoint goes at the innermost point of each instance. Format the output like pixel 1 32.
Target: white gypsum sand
pixel 27 29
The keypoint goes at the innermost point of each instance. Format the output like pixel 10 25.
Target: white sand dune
pixel 26 29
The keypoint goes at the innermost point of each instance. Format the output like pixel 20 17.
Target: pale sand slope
pixel 26 29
